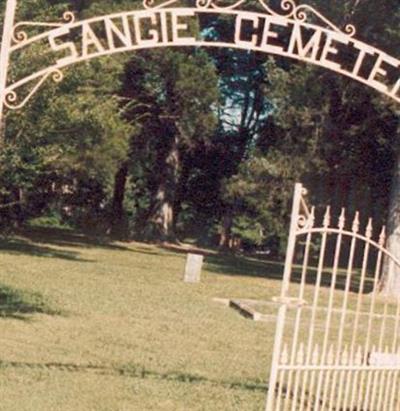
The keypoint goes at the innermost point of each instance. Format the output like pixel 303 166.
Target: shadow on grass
pixel 63 237
pixel 138 371
pixel 243 266
pixel 25 246
pixel 231 264
pixel 17 304
pixel 33 239
pixel 68 238
pixel 251 267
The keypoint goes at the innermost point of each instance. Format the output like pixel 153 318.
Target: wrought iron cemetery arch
pixel 165 25
pixel 312 38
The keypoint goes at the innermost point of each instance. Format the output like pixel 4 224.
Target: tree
pixel 340 135
pixel 68 139
pixel 392 279
pixel 172 95
pixel 243 112
pixel 258 197
pixel 167 139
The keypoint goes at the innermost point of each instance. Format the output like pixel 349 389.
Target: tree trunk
pixel 391 272
pixel 226 230
pixel 163 209
pixel 163 215
pixel 180 191
pixel 117 208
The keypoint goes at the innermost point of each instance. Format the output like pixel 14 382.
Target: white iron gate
pixel 337 343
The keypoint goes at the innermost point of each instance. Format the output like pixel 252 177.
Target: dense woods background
pixel 205 144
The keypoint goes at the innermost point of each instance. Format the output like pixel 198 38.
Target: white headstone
pixel 193 266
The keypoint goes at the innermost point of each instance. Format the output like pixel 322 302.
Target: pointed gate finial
pixel 330 358
pixel 345 356
pixel 311 218
pixel 327 217
pixel 356 223
pixel 382 237
pixel 368 230
pixel 342 220
pixel 315 355
pixel 284 355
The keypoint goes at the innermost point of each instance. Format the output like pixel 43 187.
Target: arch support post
pixel 6 39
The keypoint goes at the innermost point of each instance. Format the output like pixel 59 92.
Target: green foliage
pixel 197 138
pixel 69 133
pixel 52 219
pixel 344 133
pixel 259 196
pixel 171 96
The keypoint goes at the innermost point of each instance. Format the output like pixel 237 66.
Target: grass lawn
pixel 91 326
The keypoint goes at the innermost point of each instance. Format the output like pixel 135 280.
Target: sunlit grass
pixel 92 325
pixel 113 327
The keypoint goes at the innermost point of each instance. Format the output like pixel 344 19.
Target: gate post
pixel 8 27
pixel 280 322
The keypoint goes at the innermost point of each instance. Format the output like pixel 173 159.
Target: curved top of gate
pixel 294 31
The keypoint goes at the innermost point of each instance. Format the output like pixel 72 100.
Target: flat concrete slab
pixel 249 308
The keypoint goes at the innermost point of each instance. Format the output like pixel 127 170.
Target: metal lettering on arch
pixel 295 31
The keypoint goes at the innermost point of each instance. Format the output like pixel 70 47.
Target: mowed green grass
pixel 94 326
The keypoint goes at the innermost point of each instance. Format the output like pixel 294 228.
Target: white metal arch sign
pixel 294 31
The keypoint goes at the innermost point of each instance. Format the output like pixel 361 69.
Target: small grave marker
pixel 193 266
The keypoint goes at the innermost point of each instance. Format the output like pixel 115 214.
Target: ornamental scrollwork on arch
pixel 20 34
pixel 288 9
pixel 253 25
pixel 11 100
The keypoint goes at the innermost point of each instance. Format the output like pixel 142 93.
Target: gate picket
pixel 337 337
